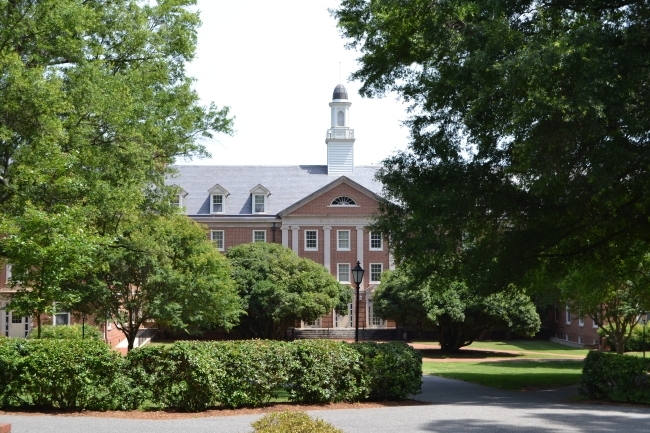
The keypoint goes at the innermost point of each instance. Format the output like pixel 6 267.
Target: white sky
pixel 276 63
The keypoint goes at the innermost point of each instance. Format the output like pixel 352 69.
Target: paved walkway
pixel 457 407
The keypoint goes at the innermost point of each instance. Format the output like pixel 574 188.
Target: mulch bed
pixel 170 414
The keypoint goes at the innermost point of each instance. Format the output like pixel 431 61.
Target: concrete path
pixel 457 407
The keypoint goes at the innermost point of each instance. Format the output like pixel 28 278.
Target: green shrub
pixel 616 377
pixel 70 332
pixel 196 375
pixel 392 370
pixel 294 422
pixel 326 371
pixel 70 374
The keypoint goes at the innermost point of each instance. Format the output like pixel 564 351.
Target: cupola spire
pixel 340 138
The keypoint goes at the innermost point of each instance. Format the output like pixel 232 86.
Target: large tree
pixel 163 269
pixel 279 288
pixel 458 314
pixel 95 107
pixel 530 131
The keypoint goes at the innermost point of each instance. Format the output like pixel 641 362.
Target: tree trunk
pixel 38 324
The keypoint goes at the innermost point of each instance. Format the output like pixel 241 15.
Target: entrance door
pixel 16 326
pixel 344 321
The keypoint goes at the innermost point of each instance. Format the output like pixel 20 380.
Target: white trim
pixel 381 242
pixel 305 240
pixel 370 273
pixel 259 231
pixel 338 273
pixel 594 325
pixel 223 203
pixel 7 274
pixel 254 204
pixel 581 322
pixel 359 243
pixel 215 241
pixel 567 314
pixel 58 314
pixel 285 236
pixel 338 240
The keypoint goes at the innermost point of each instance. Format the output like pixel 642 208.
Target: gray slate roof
pixel 287 184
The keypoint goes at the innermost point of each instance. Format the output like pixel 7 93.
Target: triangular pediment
pixel 218 189
pixel 260 189
pixel 327 188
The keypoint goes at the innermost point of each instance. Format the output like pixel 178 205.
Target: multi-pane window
pixel 175 200
pixel 568 315
pixel 376 241
pixel 217 239
pixel 343 201
pixel 594 325
pixel 61 319
pixel 217 203
pixel 343 240
pixel 581 321
pixel 311 240
pixel 259 202
pixel 375 272
pixel 376 320
pixel 259 235
pixel 343 273
pixel 16 319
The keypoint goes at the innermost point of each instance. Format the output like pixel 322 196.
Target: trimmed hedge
pixel 393 370
pixel 70 374
pixel 68 332
pixel 616 377
pixel 193 376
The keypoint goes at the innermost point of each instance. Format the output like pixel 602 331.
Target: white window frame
pixel 594 325
pixel 311 248
pixel 338 273
pixel 223 203
pixel 567 315
pixel 381 242
pixel 59 314
pixel 216 241
pixel 7 274
pixel 338 240
pixel 381 266
pixel 255 203
pixel 580 340
pixel 581 322
pixel 179 197
pixel 259 231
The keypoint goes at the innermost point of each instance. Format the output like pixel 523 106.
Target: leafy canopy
pixel 278 288
pixel 529 130
pixel 457 313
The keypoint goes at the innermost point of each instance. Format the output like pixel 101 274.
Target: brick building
pixel 319 211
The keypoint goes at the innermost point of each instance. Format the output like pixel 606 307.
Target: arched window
pixel 343 201
pixel 340 118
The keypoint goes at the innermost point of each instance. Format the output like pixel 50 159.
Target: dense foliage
pixel 96 106
pixel 294 422
pixel 77 374
pixel 70 332
pixel 194 376
pixel 530 130
pixel 457 313
pixel 616 377
pixel 163 269
pixel 279 288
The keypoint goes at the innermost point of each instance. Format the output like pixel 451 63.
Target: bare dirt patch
pixel 217 412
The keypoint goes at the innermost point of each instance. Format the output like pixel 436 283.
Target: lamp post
pixel 644 320
pixel 357 276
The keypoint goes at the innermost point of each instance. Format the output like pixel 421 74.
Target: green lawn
pixel 544 349
pixel 511 375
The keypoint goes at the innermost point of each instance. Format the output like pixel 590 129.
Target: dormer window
pixel 259 203
pixel 217 203
pixel 177 199
pixel 218 196
pixel 343 201
pixel 259 197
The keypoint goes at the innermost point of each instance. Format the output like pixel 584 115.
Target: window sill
pixel 376 249
pixel 311 250
pixel 343 249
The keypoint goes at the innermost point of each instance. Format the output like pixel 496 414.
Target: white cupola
pixel 340 138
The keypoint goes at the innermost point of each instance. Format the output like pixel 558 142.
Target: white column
pixel 360 246
pixel 294 238
pixel 285 236
pixel 326 247
pixel 391 262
